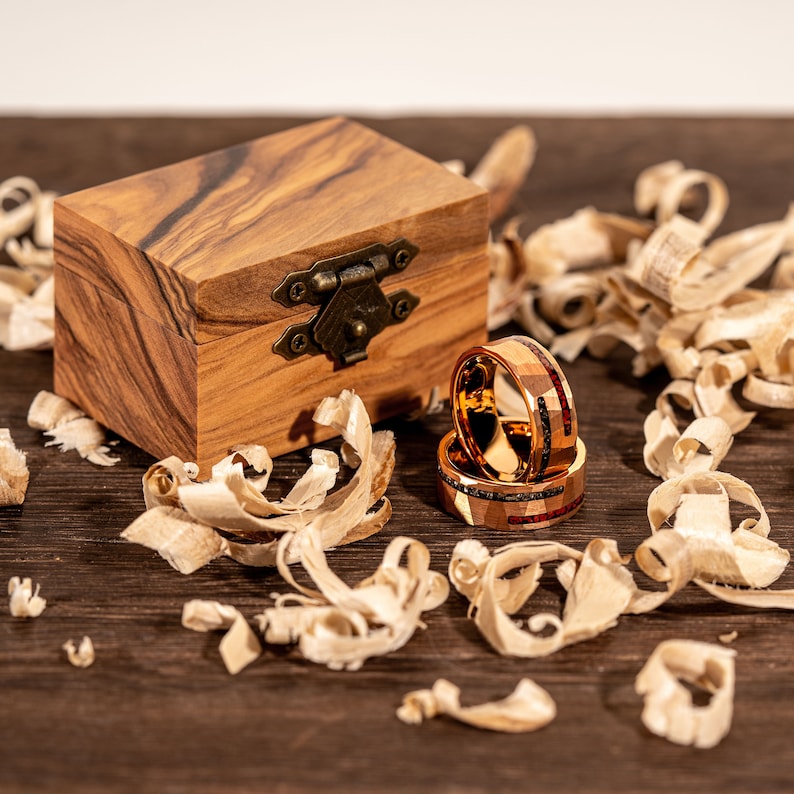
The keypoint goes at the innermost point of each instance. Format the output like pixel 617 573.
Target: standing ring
pixel 550 443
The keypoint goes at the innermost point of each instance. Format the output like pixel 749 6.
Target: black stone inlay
pixel 519 496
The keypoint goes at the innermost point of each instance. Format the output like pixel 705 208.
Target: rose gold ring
pixel 482 502
pixel 549 447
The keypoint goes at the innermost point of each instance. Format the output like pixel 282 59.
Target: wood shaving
pixel 31 321
pixel 701 447
pixel 27 307
pixel 82 655
pixel 14 473
pixel 669 187
pixel 728 638
pixel 599 589
pixel 669 710
pixel 651 181
pixel 342 626
pixel 717 552
pixel 504 167
pixel 239 646
pixel 586 240
pixel 24 601
pixel 69 428
pixel 700 547
pixel 191 523
pixel 734 565
pixel 527 708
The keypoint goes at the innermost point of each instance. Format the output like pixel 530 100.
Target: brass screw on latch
pixel 298 343
pixel 401 259
pixel 297 291
pixel 402 309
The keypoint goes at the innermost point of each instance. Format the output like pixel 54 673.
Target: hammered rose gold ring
pixel 549 445
pixel 463 493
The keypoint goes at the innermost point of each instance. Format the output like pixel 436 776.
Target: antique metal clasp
pixel 354 307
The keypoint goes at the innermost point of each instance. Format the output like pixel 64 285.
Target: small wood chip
pixel 69 428
pixel 82 655
pixel 24 601
pixel 239 646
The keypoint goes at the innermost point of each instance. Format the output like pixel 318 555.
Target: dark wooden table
pixel 158 712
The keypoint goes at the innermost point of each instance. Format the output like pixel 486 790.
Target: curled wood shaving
pixel 527 708
pixel 504 167
pixel 676 266
pixel 69 428
pixel 650 183
pixel 14 474
pixel 586 239
pixel 24 601
pixel 191 523
pixel 668 187
pixel 728 637
pixel 342 626
pixel 82 655
pixel 599 589
pixel 239 646
pixel 670 453
pixel 669 710
pixel 702 546
pixel 26 291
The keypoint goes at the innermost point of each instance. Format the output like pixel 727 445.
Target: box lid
pixel 200 245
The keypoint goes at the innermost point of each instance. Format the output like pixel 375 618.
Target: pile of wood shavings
pixel 14 473
pixel 595 280
pixel 26 290
pixel 191 523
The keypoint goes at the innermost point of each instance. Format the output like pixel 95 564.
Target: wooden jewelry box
pixel 216 301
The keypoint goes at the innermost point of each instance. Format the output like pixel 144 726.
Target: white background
pixel 421 56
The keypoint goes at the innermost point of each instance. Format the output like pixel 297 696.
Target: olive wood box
pixel 216 301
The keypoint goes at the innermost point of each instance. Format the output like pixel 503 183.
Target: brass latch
pixel 354 307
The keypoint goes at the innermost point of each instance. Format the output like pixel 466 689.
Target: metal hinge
pixel 354 307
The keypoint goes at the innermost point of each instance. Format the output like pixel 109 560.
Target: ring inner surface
pixel 518 433
pixel 485 437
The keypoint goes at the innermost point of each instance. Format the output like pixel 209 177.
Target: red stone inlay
pixel 537 519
